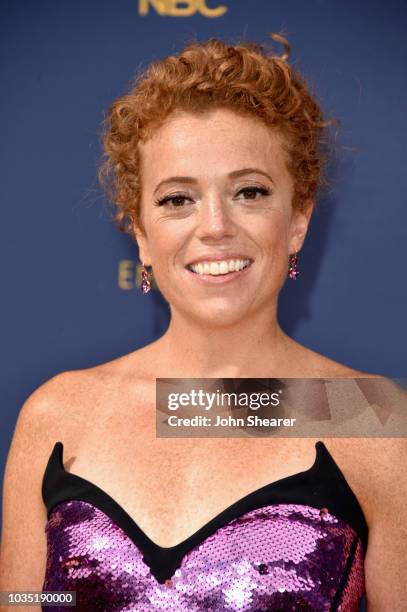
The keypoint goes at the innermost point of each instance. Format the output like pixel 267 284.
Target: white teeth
pixel 223 267
pixel 220 267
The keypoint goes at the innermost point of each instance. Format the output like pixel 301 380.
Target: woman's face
pixel 216 190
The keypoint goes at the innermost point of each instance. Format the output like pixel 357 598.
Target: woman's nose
pixel 215 219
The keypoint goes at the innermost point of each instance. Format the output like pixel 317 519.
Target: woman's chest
pixel 172 487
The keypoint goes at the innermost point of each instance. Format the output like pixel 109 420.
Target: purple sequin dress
pixel 296 544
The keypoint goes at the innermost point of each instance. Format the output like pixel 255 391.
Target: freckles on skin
pixel 207 148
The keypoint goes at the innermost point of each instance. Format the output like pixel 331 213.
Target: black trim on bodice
pixel 321 486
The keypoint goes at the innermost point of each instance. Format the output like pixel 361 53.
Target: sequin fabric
pixel 280 557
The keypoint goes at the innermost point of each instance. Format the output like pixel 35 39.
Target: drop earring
pixel 293 272
pixel 145 279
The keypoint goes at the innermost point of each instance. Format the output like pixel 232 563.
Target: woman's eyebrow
pixel 237 173
pixel 175 179
pixel 191 180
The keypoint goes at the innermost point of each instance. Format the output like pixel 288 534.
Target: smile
pixel 217 268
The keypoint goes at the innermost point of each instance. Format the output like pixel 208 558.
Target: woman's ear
pixel 142 243
pixel 299 226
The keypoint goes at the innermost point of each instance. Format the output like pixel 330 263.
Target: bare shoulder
pixel 47 412
pixel 320 366
pixel 62 402
pixel 42 408
pixel 55 411
pixel 375 464
pixel 23 543
pixel 59 409
pixel 70 393
pixel 53 403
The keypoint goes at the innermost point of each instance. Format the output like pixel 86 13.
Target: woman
pixel 213 159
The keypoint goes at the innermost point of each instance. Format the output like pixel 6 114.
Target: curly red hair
pixel 205 75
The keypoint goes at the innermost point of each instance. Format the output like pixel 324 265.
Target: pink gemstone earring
pixel 145 280
pixel 293 272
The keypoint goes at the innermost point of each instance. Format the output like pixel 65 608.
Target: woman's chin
pixel 219 315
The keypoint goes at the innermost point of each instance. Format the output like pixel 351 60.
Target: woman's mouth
pixel 219 271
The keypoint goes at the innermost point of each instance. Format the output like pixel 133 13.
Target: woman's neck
pixel 251 348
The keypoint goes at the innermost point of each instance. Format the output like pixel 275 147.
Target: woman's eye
pixel 175 201
pixel 251 192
